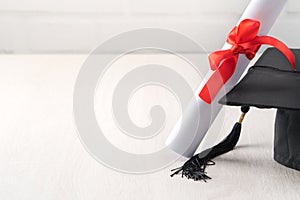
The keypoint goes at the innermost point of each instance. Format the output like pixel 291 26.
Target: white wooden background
pixel 41 156
pixel 78 26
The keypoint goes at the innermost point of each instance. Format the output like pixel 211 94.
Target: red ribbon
pixel 244 40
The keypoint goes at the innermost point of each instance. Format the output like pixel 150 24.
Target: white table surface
pixel 42 157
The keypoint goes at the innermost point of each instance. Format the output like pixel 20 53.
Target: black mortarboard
pixel 270 83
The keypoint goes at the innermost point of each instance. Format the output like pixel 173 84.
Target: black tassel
pixel 194 168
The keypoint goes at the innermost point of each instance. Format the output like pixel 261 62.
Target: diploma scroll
pixel 183 139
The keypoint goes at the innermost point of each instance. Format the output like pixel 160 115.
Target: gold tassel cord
pixel 242 117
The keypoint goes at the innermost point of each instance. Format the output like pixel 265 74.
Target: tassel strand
pixel 195 167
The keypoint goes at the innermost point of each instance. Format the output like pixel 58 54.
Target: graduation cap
pixel 270 83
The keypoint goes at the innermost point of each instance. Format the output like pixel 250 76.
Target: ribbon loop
pixel 244 40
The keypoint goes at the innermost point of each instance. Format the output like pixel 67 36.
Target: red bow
pixel 244 40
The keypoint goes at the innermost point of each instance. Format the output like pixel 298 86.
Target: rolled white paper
pixel 183 139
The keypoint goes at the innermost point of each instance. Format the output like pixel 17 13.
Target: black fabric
pixel 287 138
pixel 266 87
pixel 272 83
pixel 272 57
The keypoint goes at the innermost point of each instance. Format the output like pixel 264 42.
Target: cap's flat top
pixel 272 57
pixel 273 85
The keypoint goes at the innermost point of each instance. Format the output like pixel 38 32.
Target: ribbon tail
pixel 279 45
pixel 218 79
pixel 216 58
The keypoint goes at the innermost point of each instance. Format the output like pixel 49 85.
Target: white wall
pixel 77 26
